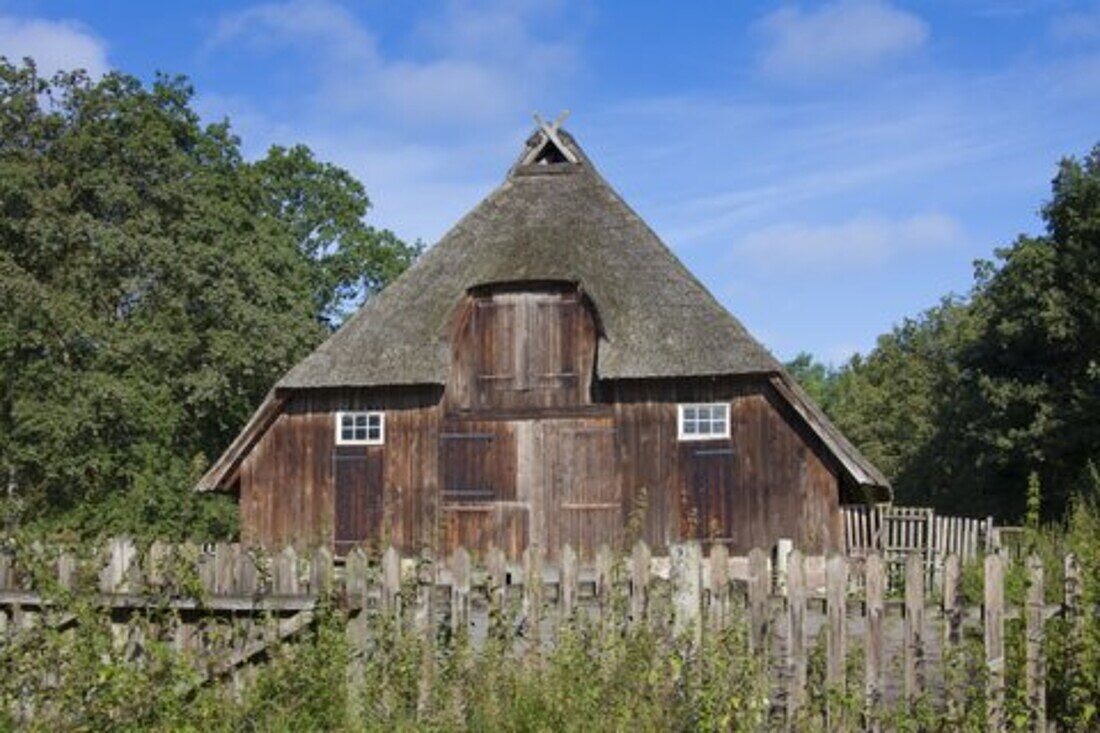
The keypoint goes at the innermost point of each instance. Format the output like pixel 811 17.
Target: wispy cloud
pixel 472 62
pixel 837 38
pixel 862 241
pixel 55 45
pixel 1076 26
pixel 426 113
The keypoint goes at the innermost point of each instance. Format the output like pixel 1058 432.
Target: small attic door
pixel 524 349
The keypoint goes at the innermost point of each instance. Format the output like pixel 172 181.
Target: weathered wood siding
pixel 288 480
pixel 771 479
pixel 523 448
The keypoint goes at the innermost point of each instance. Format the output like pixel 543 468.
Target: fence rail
pixel 788 603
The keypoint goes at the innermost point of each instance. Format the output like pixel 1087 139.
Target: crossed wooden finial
pixel 551 132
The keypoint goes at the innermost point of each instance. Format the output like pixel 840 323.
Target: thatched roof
pixel 553 219
pixel 547 221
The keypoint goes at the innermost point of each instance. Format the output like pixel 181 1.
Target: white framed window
pixel 360 428
pixel 704 421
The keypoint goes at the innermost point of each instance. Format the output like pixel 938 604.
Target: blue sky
pixel 825 168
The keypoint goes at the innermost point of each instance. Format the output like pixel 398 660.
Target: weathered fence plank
pixel 796 635
pixel 874 681
pixel 836 592
pixel 639 582
pixel 759 588
pixel 1036 665
pixel 994 641
pixel 687 587
pixel 914 627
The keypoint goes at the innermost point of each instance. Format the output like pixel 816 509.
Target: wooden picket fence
pixel 790 604
pixel 896 532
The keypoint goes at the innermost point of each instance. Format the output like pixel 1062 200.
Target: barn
pixel 548 373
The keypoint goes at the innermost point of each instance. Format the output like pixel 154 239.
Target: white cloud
pixel 55 45
pixel 471 62
pixel 861 241
pixel 841 37
pixel 427 114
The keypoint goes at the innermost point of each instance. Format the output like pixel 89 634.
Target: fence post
pixel 427 577
pixel 914 626
pixel 719 565
pixel 321 572
pixel 532 591
pixel 113 578
pixel 604 562
pixel 952 612
pixel 836 591
pixel 994 640
pixel 760 583
pixel 498 582
pixel 284 572
pixel 687 581
pixel 460 589
pixel 639 582
pixel 796 635
pixel 391 582
pixel 1036 665
pixel 225 567
pixel 568 584
pixel 875 647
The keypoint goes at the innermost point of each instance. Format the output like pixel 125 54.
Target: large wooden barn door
pixel 582 500
pixel 708 513
pixel 478 468
pixel 358 508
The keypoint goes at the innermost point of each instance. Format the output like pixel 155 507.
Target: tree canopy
pixel 154 285
pixel 960 405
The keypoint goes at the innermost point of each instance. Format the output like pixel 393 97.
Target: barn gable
pixel 554 222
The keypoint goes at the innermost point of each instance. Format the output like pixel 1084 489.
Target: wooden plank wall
pixel 522 448
pixel 287 481
pixel 771 479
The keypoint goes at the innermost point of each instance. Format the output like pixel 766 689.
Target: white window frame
pixel 681 435
pixel 380 440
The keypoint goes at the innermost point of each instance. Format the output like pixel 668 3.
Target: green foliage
pixel 154 285
pixel 962 404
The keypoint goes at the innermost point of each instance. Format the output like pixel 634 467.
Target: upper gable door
pixel 524 351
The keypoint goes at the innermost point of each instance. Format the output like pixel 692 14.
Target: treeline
pixel 154 285
pixel 965 404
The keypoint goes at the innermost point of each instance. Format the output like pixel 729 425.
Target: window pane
pixel 374 432
pixel 375 420
pixel 719 427
pixel 689 414
pixel 346 420
pixel 360 420
pixel 689 428
pixel 346 433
